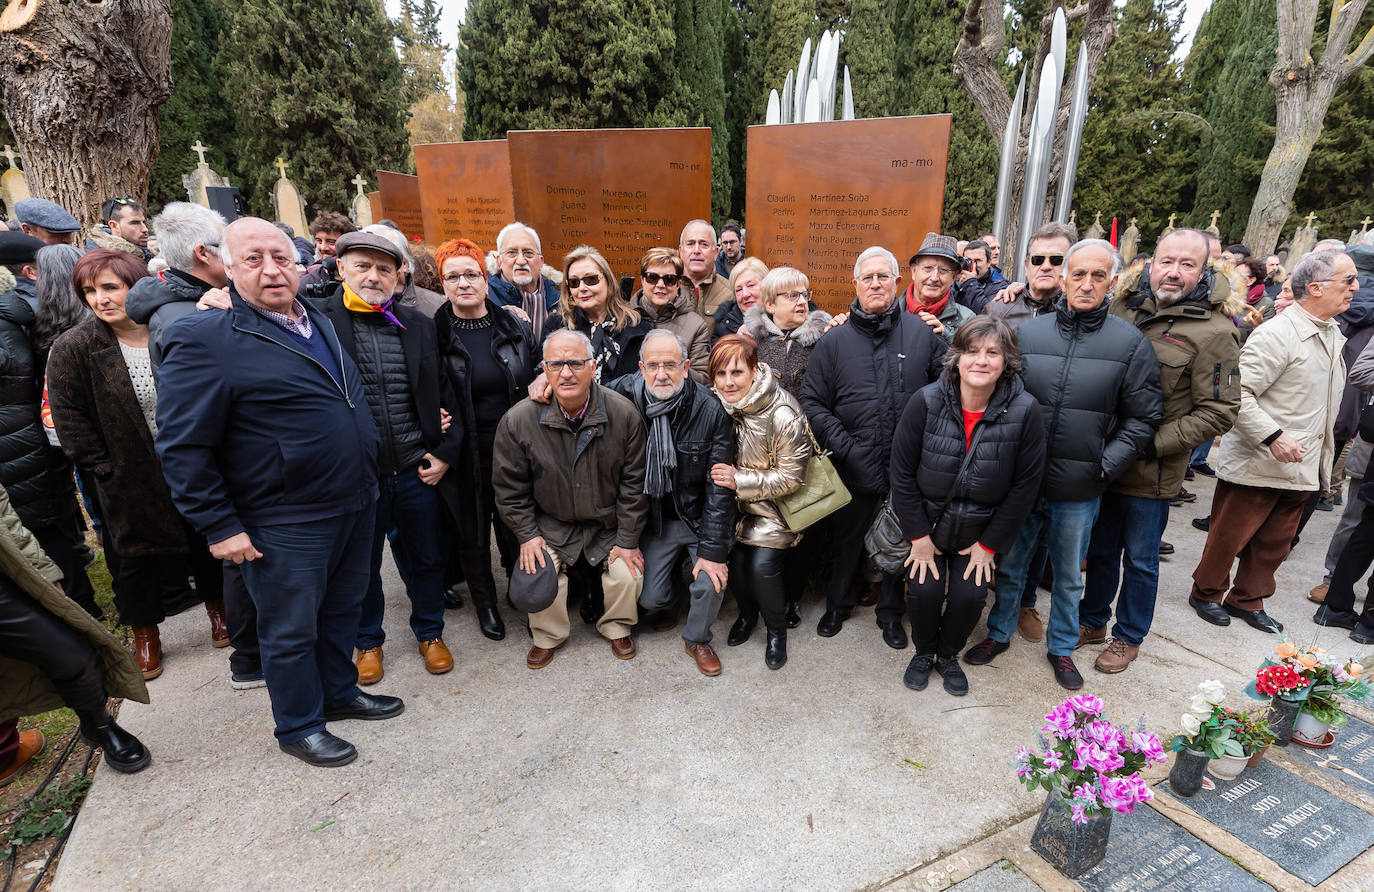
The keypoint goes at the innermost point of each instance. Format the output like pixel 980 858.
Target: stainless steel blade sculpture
pixel 772 115
pixel 847 113
pixel 786 110
pixel 810 93
pixel 1078 113
pixel 803 80
pixel 1001 209
pixel 1039 146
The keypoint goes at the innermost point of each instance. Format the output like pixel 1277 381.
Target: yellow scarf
pixel 354 302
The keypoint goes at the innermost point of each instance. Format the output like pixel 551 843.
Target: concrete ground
pixel 594 772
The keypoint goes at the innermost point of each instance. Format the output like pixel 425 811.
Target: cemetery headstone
pixel 13 185
pixel 1350 757
pixel 465 190
pixel 1303 828
pixel 1304 239
pixel 202 178
pixel 817 195
pixel 1130 242
pixel 621 191
pixel 401 200
pixel 1149 851
pixel 287 203
pixel 361 207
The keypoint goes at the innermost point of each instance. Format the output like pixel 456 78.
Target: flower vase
pixel 1073 849
pixel 1282 718
pixel 1307 729
pixel 1227 767
pixel 1256 757
pixel 1185 777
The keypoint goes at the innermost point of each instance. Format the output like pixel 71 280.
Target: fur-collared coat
pixel 786 353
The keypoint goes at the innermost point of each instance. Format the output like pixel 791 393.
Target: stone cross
pixel 10 156
pixel 281 166
pixel 1364 224
pixel 1310 218
pixel 200 151
pixel 1133 221
pixel 1216 215
pixel 1172 217
pixel 359 182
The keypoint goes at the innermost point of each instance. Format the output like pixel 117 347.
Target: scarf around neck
pixel 354 302
pixel 914 305
pixel 660 453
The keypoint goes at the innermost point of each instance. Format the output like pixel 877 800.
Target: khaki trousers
pixel 550 626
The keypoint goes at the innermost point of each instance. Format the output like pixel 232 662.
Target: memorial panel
pixel 374 200
pixel 621 191
pixel 1147 851
pixel 1306 830
pixel 401 201
pixel 1350 757
pixel 464 191
pixel 817 194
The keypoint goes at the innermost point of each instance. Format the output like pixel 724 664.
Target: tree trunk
pixel 1303 89
pixel 81 85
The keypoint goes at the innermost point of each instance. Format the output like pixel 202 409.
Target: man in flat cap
pixel 46 221
pixel 19 255
pixel 931 294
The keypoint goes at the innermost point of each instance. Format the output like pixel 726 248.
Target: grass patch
pixel 47 813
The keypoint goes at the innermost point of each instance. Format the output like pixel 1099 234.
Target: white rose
pixel 1200 705
pixel 1212 691
pixel 1190 724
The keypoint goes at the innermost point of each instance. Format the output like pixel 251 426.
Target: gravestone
pixel 1304 829
pixel 1350 757
pixel 203 178
pixel 1149 851
pixel 401 201
pixel 360 209
pixel 1000 877
pixel 465 190
pixel 13 185
pixel 1304 239
pixel 620 191
pixel 287 203
pixel 1130 242
pixel 816 195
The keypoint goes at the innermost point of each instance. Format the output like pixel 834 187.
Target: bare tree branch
pixel 1360 55
pixel 976 64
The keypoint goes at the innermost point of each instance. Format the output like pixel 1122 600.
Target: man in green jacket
pixel 1177 305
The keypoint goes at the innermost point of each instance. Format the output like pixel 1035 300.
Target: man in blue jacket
pixel 270 451
pixel 521 284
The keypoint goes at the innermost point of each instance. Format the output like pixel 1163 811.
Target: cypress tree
pixel 422 49
pixel 868 47
pixel 318 83
pixel 737 94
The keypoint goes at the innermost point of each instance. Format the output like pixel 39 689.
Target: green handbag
pixel 822 492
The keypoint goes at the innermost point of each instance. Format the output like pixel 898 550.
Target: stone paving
pixel 643 774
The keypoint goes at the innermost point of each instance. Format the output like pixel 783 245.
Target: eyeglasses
pixel 556 366
pixel 934 269
pixel 1054 259
pixel 669 279
pixel 517 253
pixel 589 280
pixel 124 200
pixel 878 278
pixel 1343 281
pixel 654 367
pixel 455 278
pixel 795 297
pixel 253 261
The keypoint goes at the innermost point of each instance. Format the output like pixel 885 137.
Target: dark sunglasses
pixel 589 279
pixel 1054 259
pixel 669 279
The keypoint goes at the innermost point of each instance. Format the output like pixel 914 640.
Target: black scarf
pixel 660 453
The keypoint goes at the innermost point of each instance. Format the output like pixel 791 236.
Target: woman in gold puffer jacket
pixel 774 445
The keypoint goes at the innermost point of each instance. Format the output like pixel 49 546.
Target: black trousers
pixel 843 535
pixel 474 553
pixel 756 577
pixel 30 633
pixel 241 616
pixel 944 611
pixel 140 595
pixel 60 547
pixel 1351 566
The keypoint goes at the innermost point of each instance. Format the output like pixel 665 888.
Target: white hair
pixel 1095 243
pixel 1311 268
pixel 396 237
pixel 1329 244
pixel 660 334
pixel 568 333
pixel 181 227
pixel 877 251
pixel 228 259
pixel 511 229
pixel 691 223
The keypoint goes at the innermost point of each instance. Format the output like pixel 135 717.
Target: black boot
pixel 793 614
pixel 742 629
pixel 489 621
pixel 123 751
pixel 775 653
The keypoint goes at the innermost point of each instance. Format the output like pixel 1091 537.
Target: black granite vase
pixel 1072 848
pixel 1185 778
pixel 1285 712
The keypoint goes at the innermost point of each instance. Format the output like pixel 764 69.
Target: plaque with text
pixel 1148 852
pixel 374 200
pixel 816 195
pixel 620 191
pixel 1350 757
pixel 401 201
pixel 464 191
pixel 1306 830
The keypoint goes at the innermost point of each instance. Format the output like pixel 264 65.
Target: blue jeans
pixel 1200 453
pixel 308 587
pixel 1069 525
pixel 412 508
pixel 1125 549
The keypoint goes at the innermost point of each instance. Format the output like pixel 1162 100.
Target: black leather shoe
pixel 1257 619
pixel 1362 634
pixel 956 682
pixel 1165 548
pixel 741 630
pixel 982 653
pixel 775 653
pixel 453 599
pixel 322 750
pixel 793 614
pixel 917 674
pixel 831 622
pixel 1202 523
pixel 1213 613
pixel 124 752
pixel 1065 672
pixel 1340 619
pixel 372 707
pixel 489 621
pixel 894 635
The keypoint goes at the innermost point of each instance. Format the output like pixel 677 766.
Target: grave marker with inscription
pixel 401 200
pixel 1350 757
pixel 1147 851
pixel 818 194
pixel 1304 829
pixel 621 191
pixel 465 190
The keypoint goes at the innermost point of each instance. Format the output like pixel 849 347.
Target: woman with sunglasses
pixel 784 325
pixel 666 304
pixel 488 355
pixel 590 302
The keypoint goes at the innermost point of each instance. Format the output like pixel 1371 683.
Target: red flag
pixel 1114 242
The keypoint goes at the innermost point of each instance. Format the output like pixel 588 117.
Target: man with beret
pixel 46 221
pixel 569 481
pixel 19 255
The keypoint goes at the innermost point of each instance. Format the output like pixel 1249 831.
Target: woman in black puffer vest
pixel 956 530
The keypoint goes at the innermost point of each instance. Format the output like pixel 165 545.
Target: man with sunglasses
pixel 125 228
pixel 521 284
pixel 569 483
pixel 1045 252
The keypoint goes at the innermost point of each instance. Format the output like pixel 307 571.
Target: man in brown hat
pixel 931 292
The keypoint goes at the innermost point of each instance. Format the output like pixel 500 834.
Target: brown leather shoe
pixel 1029 625
pixel 31 743
pixel 369 665
pixel 437 658
pixel 1088 635
pixel 219 625
pixel 706 658
pixel 539 657
pixel 148 651
pixel 1318 594
pixel 623 648
pixel 1116 657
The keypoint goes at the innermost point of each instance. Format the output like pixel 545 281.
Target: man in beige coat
pixel 1280 450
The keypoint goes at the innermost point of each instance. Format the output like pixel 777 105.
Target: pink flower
pixel 1119 793
pixel 1105 735
pixel 1085 704
pixel 1024 771
pixel 1053 760
pixel 1061 722
pixel 1085 793
pixel 1148 745
pixel 1099 758
pixel 1023 754
pixel 1079 814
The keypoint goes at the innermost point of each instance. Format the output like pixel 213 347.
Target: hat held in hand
pixel 533 592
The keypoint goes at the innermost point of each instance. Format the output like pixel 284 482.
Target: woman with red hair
pixel 488 354
pixel 104 408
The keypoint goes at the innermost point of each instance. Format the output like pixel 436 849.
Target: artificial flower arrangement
pixel 1252 729
pixel 1092 763
pixel 1207 726
pixel 1311 676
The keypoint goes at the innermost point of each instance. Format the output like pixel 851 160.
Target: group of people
pixel 267 416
